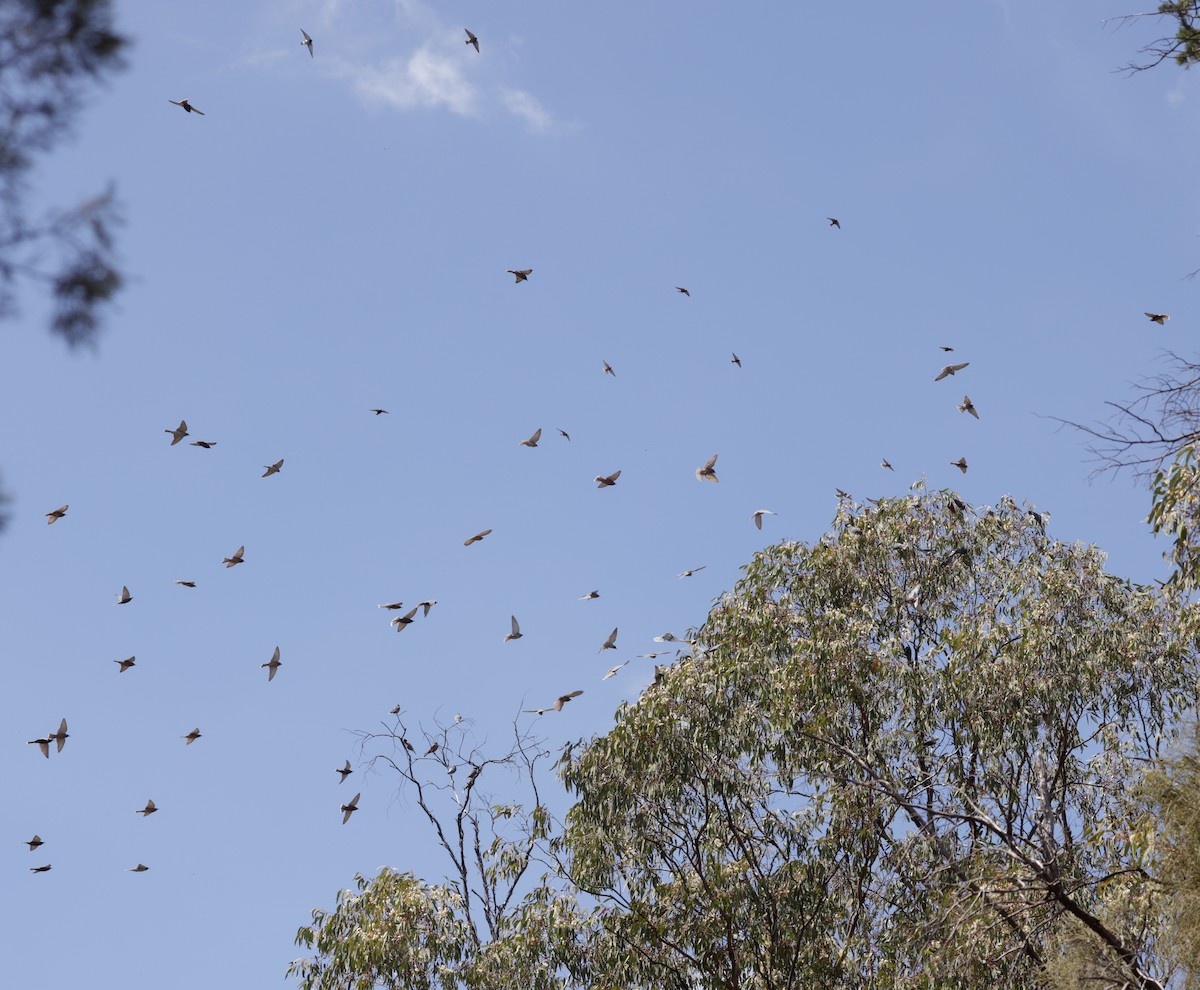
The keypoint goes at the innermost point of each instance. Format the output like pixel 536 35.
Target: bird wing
pixel 614 476
pixel 516 629
pixel 537 435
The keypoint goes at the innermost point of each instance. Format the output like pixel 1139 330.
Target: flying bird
pixel 708 472
pixel 140 868
pixel 378 412
pixel 307 42
pixel 344 772
pixel 273 468
pixel 272 665
pixel 472 40
pixel 56 515
pixel 426 606
pixel 522 275
pixel 558 704
pixel 34 843
pixel 607 481
pixel 834 222
pixel 1159 318
pixel 612 671
pixel 564 434
pixel 349 809
pixel 403 620
pixel 608 369
pixel 694 570
pixel 961 464
pixel 947 349
pixel 61 735
pixel 681 289
pixel 40 869
pixel 885 463
pixel 237 558
pixel 145 812
pixel 125 664
pixel 476 538
pixel 187 584
pixel 951 369
pixel 590 594
pixel 206 444
pixel 516 631
pixel 124 598
pixel 652 656
pixel 533 440
pixel 758 514
pixel 668 637
pixel 735 360
pixel 43 745
pixel 610 643
pixel 186 106
pixel 394 606
pixel 968 406
pixel 191 737
pixel 178 433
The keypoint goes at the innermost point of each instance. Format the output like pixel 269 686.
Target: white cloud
pixel 426 79
pixel 527 106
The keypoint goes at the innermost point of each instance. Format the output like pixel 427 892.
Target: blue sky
pixel 333 236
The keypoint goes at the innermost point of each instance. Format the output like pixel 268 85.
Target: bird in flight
pixel 307 42
pixel 344 772
pixel 735 360
pixel 34 843
pixel 476 538
pixel 961 464
pixel 379 412
pixel 43 745
pixel 426 606
pixel 708 472
pixel 392 605
pixel 652 656
pixel 564 434
pixel 273 468
pixel 558 704
pixel 191 737
pixel 947 349
pixel 951 369
pixel 124 598
pixel 694 570
pixel 471 40
pixel 60 736
pixel 533 440
pixel 516 630
pixel 834 222
pixel 40 869
pixel 607 481
pixel 125 664
pixel 610 643
pixel 272 665
pixel 522 274
pixel 140 868
pixel 668 637
pixel 237 558
pixel 187 584
pixel 186 106
pixel 968 406
pixel 178 433
pixel 682 290
pixel 206 444
pixel 589 595
pixel 56 515
pixel 758 514
pixel 608 369
pixel 885 463
pixel 1159 318
pixel 403 620
pixel 612 671
pixel 145 812
pixel 349 808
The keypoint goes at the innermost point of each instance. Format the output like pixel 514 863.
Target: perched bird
pixel 125 664
pixel 522 275
pixel 350 808
pixel 608 369
pixel 607 481
pixel 43 745
pixel 758 514
pixel 378 412
pixel 396 711
pixel 426 606
pixel 145 812
pixel 1159 318
pixel 516 630
pixel 272 665
pixel 40 869
pixel 187 584
pixel 694 570
pixel 612 671
pixel 590 594
pixel 885 463
pixel 558 704
pixel 61 735
pixel 735 360
pixel 307 42
pixel 708 472
pixel 834 222
pixel 961 464
pixel 344 773
pixel 124 598
pixel 191 737
pixel 34 843
pixel 178 433
pixel 564 434
pixel 472 40
pixel 476 538
pixel 186 106
pixel 394 606
pixel 237 558
pixel 532 441
pixel 968 406
pixel 56 515
pixel 681 289
pixel 206 444
pixel 610 643
pixel 431 750
pixel 458 718
pixel 273 468
pixel 950 369
pixel 140 868
pixel 403 620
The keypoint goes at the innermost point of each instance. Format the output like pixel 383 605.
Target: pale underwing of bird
pixel 307 42
pixel 350 807
pixel 344 772
pixel 394 606
pixel 607 481
pixel 1159 318
pixel 652 656
pixel 471 40
pixel 235 558
pixel 736 360
pixel 403 620
pixel 708 472
pixel 608 369
pixel 140 868
pixel 431 750
pixel 476 538
pixel 178 433
pixel 145 812
pixel 961 464
pixel 564 434
pixel 34 842
pixel 885 463
pixel 186 106
pixel 668 637
pixel 40 869
pixel 60 736
pixel 125 664
pixel 610 643
pixel 758 516
pixel 272 665
pixel 43 745
pixel 557 706
pixel 56 515
pixel 426 606
pixel 516 630
pixel 590 594
pixel 694 570
pixel 273 468
pixel 834 222
pixel 951 369
pixel 124 598
pixel 681 289
pixel 612 671
pixel 191 737
pixel 206 444
pixel 187 584
pixel 968 406
pixel 521 275
pixel 378 412
pixel 533 440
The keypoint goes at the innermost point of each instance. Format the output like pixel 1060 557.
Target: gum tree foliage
pixel 906 756
pixel 51 54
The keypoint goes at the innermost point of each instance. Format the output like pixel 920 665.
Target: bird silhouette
pixel 394 606
pixel 472 40
pixel 476 538
pixel 521 275
pixel 683 291
pixel 56 515
pixel 516 631
pixel 350 807
pixel 125 664
pixel 533 440
pixel 736 360
pixel 40 869
pixel 43 745
pixel 178 433
pixel 1159 318
pixel 187 584
pixel 610 643
pixel 558 704
pixel 401 621
pixel 206 444
pixel 272 665
pixel 191 737
pixel 61 735
pixel 885 463
pixel 34 842
pixel 589 595
pixel 612 671
pixel 378 412
pixel 186 106
pixel 608 369
pixel 564 434
pixel 708 472
pixel 834 222
pixel 272 468
pixel 968 406
pixel 147 811
pixel 344 772
pixel 951 369
pixel 124 598
pixel 607 481
pixel 235 558
pixel 307 42
pixel 758 516
pixel 694 570
pixel 961 464
pixel 140 868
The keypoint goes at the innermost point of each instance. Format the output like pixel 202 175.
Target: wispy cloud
pixel 528 108
pixel 425 79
